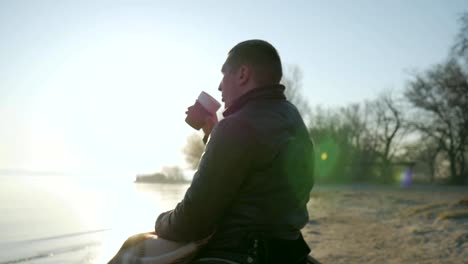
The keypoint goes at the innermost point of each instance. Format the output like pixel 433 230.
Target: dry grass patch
pixel 456 214
pixel 463 202
pixel 427 209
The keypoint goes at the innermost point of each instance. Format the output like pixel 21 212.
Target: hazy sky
pixel 103 87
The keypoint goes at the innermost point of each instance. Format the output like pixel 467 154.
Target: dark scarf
pixel 265 92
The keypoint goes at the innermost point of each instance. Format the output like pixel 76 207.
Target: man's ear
pixel 245 73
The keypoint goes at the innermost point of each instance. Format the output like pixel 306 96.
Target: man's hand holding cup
pixel 202 114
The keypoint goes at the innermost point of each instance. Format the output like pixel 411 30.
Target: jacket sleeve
pixel 222 169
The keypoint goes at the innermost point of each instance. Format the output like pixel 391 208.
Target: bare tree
pixel 342 144
pixel 441 98
pixel 357 122
pixel 460 47
pixel 384 129
pixel 426 151
pixel 366 138
pixel 389 122
pixel 292 80
pixel 193 150
pixel 356 118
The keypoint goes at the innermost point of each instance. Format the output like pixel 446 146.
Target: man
pixel 254 179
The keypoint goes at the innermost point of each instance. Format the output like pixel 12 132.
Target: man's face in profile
pixel 228 85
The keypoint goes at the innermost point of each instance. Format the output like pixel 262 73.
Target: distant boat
pixel 159 178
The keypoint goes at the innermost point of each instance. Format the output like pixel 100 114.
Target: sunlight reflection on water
pixel 34 208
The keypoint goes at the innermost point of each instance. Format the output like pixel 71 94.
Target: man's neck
pixel 275 91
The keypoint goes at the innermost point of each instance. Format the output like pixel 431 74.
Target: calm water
pixel 62 219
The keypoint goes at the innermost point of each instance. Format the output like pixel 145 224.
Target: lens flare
pixel 328 155
pixel 406 177
pixel 324 156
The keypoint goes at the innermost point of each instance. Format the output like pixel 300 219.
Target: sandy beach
pixel 388 225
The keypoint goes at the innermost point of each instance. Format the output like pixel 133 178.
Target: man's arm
pixel 221 172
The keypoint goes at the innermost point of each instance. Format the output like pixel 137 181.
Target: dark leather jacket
pixel 255 175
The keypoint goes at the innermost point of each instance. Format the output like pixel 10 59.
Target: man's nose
pixel 219 87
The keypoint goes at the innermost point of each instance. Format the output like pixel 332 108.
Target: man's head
pixel 250 64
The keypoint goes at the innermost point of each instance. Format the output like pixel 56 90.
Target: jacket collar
pixel 264 92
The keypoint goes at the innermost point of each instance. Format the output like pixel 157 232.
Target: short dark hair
pixel 261 56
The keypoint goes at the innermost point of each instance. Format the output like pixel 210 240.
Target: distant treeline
pixel 422 131
pixel 168 175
